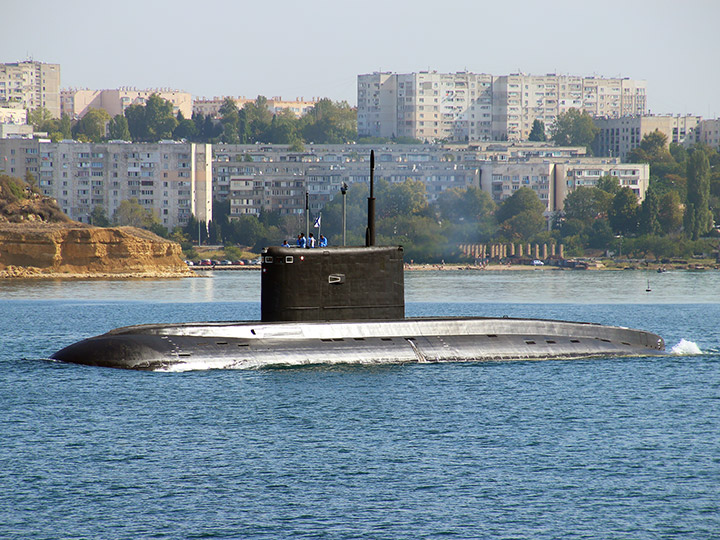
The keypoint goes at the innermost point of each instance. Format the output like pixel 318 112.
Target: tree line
pixel 327 122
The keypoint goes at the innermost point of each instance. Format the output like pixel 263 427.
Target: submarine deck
pixel 206 345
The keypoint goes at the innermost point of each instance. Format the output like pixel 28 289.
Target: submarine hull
pixel 247 345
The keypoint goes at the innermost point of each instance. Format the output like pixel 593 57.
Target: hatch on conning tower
pixel 332 284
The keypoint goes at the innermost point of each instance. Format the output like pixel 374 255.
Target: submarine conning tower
pixel 332 283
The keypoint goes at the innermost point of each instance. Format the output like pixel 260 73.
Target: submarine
pixel 347 305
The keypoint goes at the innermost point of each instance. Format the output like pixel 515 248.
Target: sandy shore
pixel 592 267
pixel 17 272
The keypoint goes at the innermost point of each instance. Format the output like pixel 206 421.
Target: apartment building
pixel 520 99
pixel 31 85
pixel 708 132
pixel 211 107
pixel 502 179
pixel 428 106
pixel 13 115
pixel 618 136
pixel 254 177
pixel 553 179
pixel 173 180
pixel 176 180
pixel 271 177
pixel 465 106
pixel 77 102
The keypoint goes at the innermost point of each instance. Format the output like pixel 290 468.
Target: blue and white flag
pixel 317 221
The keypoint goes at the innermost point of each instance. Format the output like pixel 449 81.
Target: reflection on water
pixel 553 286
pixel 536 286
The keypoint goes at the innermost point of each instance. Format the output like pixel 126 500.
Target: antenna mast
pixel 370 234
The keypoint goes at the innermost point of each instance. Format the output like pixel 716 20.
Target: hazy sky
pixel 318 47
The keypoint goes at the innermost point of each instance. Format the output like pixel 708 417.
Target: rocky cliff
pixel 38 240
pixel 76 250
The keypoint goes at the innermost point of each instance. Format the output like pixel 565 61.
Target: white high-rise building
pixel 465 106
pixel 32 85
pixel 428 106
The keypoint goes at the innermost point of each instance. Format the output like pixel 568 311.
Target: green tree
pixel 574 128
pixel 698 218
pixel 297 145
pixel 151 122
pixel 255 120
pixel 465 205
pixel 670 182
pixel 159 118
pixel 93 126
pixel 135 115
pixel 678 152
pixel 98 217
pixel 537 133
pixel 623 213
pixel 230 121
pixel 652 149
pixel 330 122
pixel 118 128
pixel 521 216
pixel 40 118
pixel 131 213
pixel 467 214
pixel 410 197
pixel 670 214
pixel 283 128
pixel 608 184
pixel 600 234
pixel 649 214
pixel 185 130
pixel 586 203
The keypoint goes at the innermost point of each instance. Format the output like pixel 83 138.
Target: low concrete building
pixel 553 179
pixel 211 107
pixel 618 136
pixel 708 132
pixel 256 177
pixel 76 103
pixel 13 115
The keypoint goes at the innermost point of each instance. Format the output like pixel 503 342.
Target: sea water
pixel 602 448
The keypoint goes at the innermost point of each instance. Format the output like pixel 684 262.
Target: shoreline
pixel 34 273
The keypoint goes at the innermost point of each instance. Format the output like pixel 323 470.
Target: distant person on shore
pixel 311 240
pixel 323 241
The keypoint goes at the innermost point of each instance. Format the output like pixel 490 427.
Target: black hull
pixel 247 345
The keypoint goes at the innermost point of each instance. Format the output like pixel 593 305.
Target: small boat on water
pixel 347 305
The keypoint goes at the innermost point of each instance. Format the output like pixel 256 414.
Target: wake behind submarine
pixel 347 305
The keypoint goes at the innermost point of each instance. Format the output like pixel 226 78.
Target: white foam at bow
pixel 686 348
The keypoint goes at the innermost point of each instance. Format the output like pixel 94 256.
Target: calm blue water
pixel 605 448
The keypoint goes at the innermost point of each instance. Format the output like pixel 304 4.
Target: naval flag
pixel 317 221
